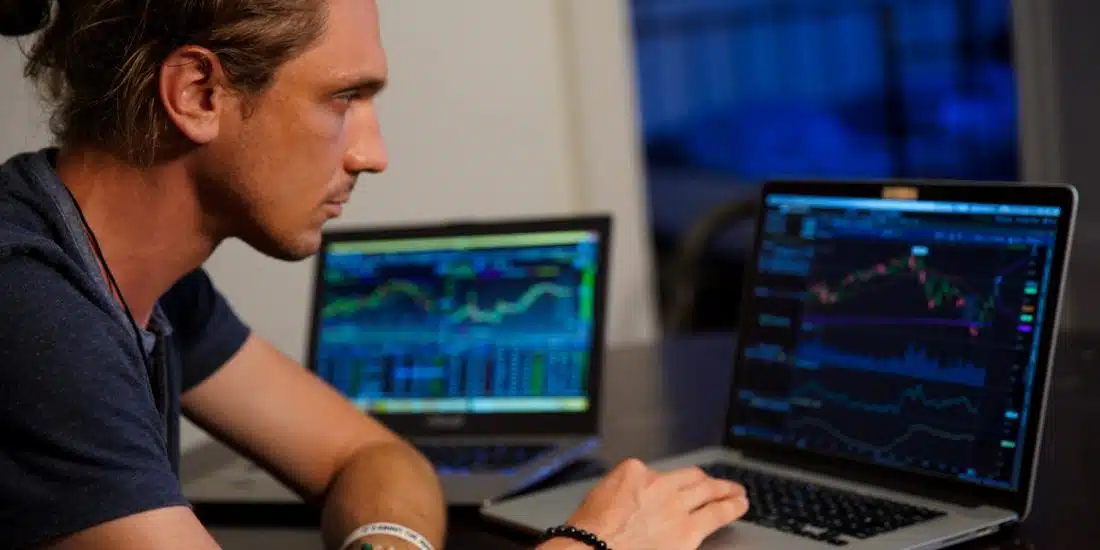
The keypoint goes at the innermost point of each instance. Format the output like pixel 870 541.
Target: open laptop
pixel 891 369
pixel 480 343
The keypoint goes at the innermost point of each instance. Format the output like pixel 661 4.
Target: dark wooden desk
pixel 664 401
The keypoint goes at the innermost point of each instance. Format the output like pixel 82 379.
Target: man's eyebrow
pixel 367 84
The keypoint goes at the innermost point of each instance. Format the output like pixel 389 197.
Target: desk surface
pixel 672 399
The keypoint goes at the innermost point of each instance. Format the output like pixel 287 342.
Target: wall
pixel 598 66
pixel 1057 53
pixel 1076 51
pixel 20 113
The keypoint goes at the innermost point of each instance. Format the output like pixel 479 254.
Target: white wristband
pixel 391 529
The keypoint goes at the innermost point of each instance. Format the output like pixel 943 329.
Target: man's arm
pixel 271 409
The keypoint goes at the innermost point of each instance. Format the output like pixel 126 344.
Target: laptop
pixel 891 369
pixel 482 344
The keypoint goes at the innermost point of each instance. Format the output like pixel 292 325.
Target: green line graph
pixel 890 446
pixel 393 288
pixel 916 394
pixel 472 311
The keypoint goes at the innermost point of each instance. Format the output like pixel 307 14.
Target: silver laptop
pixel 892 366
pixel 480 343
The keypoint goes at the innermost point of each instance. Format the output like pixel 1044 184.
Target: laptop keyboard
pixel 480 458
pixel 821 513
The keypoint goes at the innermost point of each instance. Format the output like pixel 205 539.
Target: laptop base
pixel 216 474
pixel 479 488
pixel 536 512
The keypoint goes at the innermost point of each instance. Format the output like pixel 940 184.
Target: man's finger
pixel 707 491
pixel 716 515
pixel 684 477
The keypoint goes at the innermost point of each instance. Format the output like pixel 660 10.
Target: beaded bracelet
pixel 579 535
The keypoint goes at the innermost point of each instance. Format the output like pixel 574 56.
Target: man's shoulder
pixel 29 219
pixel 53 334
pixel 37 249
pixel 49 301
pixel 34 265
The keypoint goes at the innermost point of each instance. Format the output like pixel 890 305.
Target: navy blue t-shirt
pixel 83 439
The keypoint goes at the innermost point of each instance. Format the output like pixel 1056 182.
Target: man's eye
pixel 347 96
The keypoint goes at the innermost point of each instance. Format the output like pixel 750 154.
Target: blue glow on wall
pixel 753 89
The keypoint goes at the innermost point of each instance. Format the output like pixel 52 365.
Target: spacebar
pixel 800 528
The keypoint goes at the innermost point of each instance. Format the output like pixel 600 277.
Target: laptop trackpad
pixel 729 538
pixel 746 536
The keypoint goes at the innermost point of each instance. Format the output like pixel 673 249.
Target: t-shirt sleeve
pixel 205 327
pixel 81 437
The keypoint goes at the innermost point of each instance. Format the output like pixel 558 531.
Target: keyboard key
pixel 818 512
pixel 481 458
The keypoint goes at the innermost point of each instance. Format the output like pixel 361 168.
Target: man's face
pixel 292 160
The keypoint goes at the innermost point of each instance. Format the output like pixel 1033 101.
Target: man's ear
pixel 193 92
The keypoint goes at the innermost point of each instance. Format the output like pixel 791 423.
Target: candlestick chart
pixel 940 315
pixel 917 338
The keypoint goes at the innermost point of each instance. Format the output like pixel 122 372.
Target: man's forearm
pixel 388 482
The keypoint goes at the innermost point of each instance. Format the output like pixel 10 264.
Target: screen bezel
pixel 907 479
pixel 430 423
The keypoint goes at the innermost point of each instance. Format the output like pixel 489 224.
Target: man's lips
pixel 335 204
pixel 334 209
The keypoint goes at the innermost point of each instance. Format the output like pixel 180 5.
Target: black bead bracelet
pixel 579 535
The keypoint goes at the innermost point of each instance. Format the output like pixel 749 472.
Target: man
pixel 180 125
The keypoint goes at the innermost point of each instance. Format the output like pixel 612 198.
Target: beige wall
pixel 21 116
pixel 496 108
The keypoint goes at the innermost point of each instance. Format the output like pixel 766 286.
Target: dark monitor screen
pixel 905 333
pixel 487 323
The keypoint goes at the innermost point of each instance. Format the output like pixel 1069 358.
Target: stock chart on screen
pixel 898 332
pixel 477 324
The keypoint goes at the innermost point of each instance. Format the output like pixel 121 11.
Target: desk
pixel 672 399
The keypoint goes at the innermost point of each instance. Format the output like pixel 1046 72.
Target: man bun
pixel 21 17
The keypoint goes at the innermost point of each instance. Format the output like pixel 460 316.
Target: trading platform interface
pixel 468 324
pixel 901 332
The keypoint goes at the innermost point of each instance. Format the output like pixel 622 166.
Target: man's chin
pixel 289 250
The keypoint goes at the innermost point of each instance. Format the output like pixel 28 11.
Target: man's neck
pixel 147 221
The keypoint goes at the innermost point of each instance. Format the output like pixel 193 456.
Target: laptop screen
pixel 480 323
pixel 905 333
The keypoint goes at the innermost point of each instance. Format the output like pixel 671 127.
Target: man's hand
pixel 634 507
